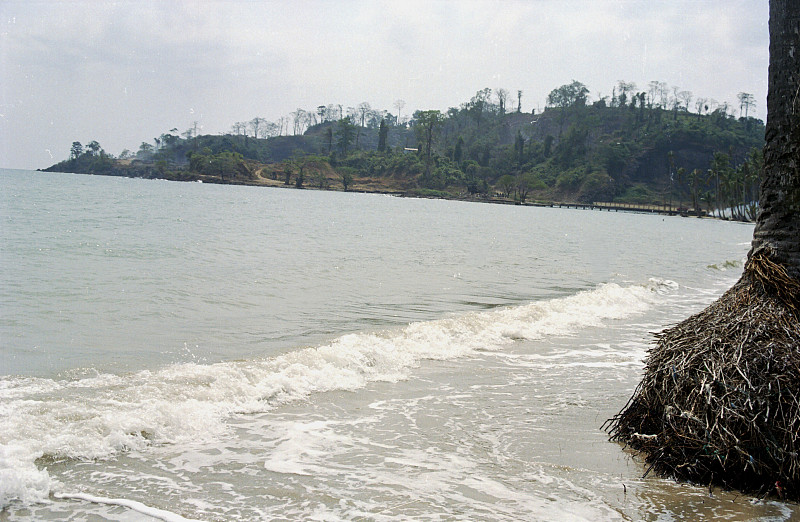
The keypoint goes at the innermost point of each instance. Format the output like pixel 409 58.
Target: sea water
pixel 185 351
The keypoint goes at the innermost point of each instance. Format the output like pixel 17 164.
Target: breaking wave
pixel 97 416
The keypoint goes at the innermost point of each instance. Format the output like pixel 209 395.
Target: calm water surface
pixel 186 351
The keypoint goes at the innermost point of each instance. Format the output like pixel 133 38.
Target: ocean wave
pixel 98 416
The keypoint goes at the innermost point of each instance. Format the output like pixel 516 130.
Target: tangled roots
pixel 720 399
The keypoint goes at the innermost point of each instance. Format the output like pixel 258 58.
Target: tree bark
pixel 777 231
pixel 719 401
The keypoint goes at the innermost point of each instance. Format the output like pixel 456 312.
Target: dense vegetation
pixel 635 147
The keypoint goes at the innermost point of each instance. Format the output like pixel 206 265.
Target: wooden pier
pixel 625 207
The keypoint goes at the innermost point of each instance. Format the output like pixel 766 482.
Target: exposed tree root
pixel 720 399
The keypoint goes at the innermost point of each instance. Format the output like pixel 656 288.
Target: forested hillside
pixel 635 147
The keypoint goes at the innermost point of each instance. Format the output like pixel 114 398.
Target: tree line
pixel 634 145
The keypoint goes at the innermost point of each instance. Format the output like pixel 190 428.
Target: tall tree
pixel 720 170
pixel 458 152
pixel 746 101
pixel 347 179
pixel 569 95
pixel 329 136
pixel 427 122
pixel 256 124
pixel 145 150
pixel 383 131
pixel 686 98
pixel 624 88
pixel 526 182
pixel 502 98
pixel 345 131
pixel 777 232
pixel 299 121
pixel 283 123
pixel 519 148
pixel 94 148
pixel 507 183
pixel 362 111
pixel 720 398
pixel 76 150
pixel 399 104
pixel 695 177
pixel 478 104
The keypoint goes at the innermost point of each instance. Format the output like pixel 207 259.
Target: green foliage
pixel 225 165
pixel 568 95
pixel 76 150
pixel 548 145
pixel 613 156
pixel 458 152
pixel 570 180
pixel 345 134
pixel 638 193
pixel 430 193
pixel 427 123
pixel 91 160
pixel 383 132
pixel 446 174
pixel 630 149
pixel 526 183
pixel 597 185
pixel 346 174
pixel 572 148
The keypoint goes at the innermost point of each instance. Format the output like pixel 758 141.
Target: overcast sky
pixel 124 72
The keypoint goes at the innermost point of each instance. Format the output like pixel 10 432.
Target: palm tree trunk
pixel 777 232
pixel 719 402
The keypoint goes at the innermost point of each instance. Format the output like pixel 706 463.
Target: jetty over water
pixel 626 207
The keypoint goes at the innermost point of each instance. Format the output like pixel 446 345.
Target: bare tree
pixel 363 110
pixel 652 92
pixel 723 108
pixel 399 104
pixel 299 120
pixel 624 88
pixel 686 98
pixel 699 104
pixel 238 128
pixel 255 124
pixel 283 122
pixel 663 94
pixel 374 118
pixel 746 101
pixel 502 96
pixel 269 129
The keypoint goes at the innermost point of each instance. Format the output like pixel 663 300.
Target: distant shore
pixel 261 178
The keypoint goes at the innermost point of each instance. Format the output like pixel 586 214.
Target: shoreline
pixel 365 188
pixel 598 206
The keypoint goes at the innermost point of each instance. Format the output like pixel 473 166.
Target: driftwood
pixel 720 399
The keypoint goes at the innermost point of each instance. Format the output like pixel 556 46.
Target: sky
pixel 123 73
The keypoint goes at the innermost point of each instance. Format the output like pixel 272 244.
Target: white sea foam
pixel 20 478
pixel 160 514
pixel 98 416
